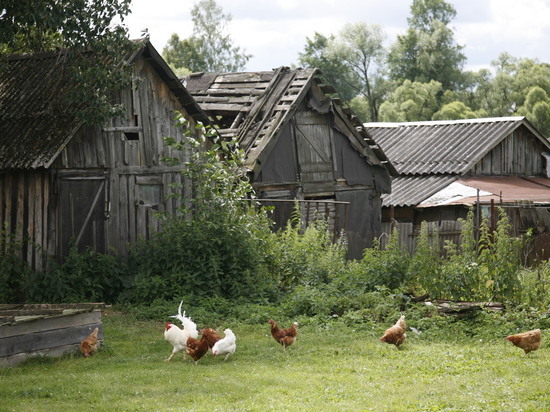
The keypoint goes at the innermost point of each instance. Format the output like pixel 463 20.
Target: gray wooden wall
pixel 108 182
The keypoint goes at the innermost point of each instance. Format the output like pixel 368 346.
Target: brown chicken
pixel 197 348
pixel 285 337
pixel 211 336
pixel 396 335
pixel 528 341
pixel 89 345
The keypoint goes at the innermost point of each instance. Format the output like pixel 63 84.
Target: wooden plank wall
pixel 28 199
pixel 26 210
pixel 46 336
pixel 517 155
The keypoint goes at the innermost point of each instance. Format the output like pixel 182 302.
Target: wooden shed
pixel 97 185
pixel 301 145
pixel 446 167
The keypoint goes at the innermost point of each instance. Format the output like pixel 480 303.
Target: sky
pixel 274 32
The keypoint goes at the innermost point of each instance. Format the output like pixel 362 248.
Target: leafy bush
pixel 384 267
pixel 84 276
pixel 13 270
pixel 309 256
pixel 216 245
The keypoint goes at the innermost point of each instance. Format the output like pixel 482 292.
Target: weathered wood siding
pixel 106 185
pixel 27 212
pixel 519 154
pixel 27 333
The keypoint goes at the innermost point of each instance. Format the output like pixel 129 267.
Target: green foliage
pixel 360 48
pixel 217 245
pixel 535 286
pixel 457 110
pixel 316 54
pixel 428 51
pixel 412 101
pixel 500 256
pixel 209 49
pixel 94 46
pixel 424 271
pixel 385 267
pixel 307 257
pixel 13 270
pixel 84 276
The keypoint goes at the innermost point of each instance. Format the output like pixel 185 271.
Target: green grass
pixel 330 368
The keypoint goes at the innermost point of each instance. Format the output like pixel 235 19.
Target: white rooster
pixel 178 337
pixel 225 346
pixel 187 323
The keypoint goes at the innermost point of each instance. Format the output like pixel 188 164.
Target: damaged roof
pixel 255 106
pixel 36 120
pixel 501 189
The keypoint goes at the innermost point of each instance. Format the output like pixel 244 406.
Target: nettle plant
pixel 218 244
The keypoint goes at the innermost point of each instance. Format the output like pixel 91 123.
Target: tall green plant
pixel 424 269
pixel 500 256
pixel 308 256
pixel 386 267
pixel 217 245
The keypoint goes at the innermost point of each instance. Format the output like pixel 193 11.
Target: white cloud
pixel 275 31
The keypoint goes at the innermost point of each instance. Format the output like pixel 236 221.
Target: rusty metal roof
pixel 500 189
pixel 255 106
pixel 36 122
pixel 439 147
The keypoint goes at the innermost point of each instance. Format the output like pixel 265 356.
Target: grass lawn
pixel 328 369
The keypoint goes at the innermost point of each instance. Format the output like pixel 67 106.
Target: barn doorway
pixel 82 212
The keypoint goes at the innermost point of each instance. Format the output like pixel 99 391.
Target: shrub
pixel 215 245
pixel 383 267
pixel 307 257
pixel 84 276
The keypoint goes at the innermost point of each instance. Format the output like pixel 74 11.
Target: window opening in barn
pixel 131 135
pixel 149 190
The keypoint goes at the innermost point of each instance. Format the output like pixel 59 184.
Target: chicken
pixel 177 338
pixel 187 323
pixel 528 341
pixel 211 336
pixel 89 345
pixel 396 335
pixel 285 337
pixel 225 346
pixel 197 348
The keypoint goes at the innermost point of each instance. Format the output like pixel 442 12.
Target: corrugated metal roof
pixel 411 190
pixel 438 147
pixel 256 105
pixel 36 122
pixel 501 189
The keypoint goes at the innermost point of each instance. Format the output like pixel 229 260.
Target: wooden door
pixel 314 147
pixel 82 212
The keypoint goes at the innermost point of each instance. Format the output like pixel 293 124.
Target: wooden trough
pixel 45 329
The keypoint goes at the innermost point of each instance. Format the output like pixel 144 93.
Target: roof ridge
pixel 445 122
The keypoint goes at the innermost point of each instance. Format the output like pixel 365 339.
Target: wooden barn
pixel 301 146
pixel 97 185
pixel 446 167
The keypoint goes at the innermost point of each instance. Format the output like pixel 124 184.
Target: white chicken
pixel 187 323
pixel 177 338
pixel 225 346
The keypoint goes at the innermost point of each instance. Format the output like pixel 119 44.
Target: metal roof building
pixel 447 166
